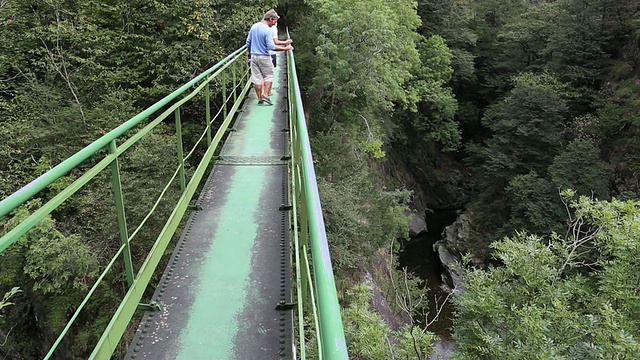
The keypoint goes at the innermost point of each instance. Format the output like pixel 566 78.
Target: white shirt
pixel 274 32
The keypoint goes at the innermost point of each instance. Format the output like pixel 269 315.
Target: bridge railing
pixel 315 284
pixel 230 73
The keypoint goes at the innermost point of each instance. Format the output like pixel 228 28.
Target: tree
pixel 365 52
pixel 617 123
pixel 575 47
pixel 570 297
pixel 370 337
pixel 521 42
pixel 526 133
pixel 534 205
pixel 434 120
pixel 450 20
pixel 54 271
pixel 579 167
pixel 493 76
pixel 360 217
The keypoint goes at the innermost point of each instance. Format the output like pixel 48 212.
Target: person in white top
pixel 274 31
pixel 274 35
pixel 259 42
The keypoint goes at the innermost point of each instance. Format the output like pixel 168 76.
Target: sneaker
pixel 260 102
pixel 267 101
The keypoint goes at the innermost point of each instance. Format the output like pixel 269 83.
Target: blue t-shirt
pixel 260 39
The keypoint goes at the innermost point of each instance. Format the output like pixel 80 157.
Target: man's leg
pixel 257 80
pixel 258 88
pixel 268 89
pixel 268 79
pixel 266 69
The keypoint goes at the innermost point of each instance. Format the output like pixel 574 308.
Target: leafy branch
pixel 61 67
pixel 5 300
pixel 578 235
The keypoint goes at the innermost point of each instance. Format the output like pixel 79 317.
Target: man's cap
pixel 271 14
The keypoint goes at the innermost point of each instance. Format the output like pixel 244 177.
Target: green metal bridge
pixel 250 273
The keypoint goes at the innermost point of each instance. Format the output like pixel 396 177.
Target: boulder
pixel 417 224
pixel 457 235
pixel 455 241
pixel 451 267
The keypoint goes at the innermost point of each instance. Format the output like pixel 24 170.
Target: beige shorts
pixel 261 69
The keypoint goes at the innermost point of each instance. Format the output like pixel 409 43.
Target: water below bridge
pixel 420 259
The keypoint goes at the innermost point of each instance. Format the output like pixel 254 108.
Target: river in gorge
pixel 420 259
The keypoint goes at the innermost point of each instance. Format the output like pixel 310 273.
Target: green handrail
pixel 138 283
pixel 311 235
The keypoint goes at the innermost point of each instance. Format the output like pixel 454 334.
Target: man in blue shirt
pixel 259 42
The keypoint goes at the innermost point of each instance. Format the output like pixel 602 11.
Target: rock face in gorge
pixel 436 191
pixel 455 242
pixel 450 267
pixel 417 223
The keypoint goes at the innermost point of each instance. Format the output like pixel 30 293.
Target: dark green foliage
pixel 534 204
pixel 618 124
pixel 527 133
pixel 232 19
pixel 54 270
pixel 574 49
pixel 434 119
pixel 450 20
pixel 360 218
pixel 568 115
pixel 579 168
pixel 569 122
pixel 492 72
pixel 366 75
pixel 361 69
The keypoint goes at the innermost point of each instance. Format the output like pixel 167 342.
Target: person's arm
pixel 283 48
pixel 282 42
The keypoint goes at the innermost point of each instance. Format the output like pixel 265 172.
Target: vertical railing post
pixel 207 105
pixel 224 96
pixel 235 81
pixel 183 179
pixel 122 219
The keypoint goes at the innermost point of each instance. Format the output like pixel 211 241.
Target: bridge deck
pixel 230 268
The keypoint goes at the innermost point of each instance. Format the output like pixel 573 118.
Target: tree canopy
pixel 570 297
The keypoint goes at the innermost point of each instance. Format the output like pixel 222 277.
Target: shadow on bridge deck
pixel 231 266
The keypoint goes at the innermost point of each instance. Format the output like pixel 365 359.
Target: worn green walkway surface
pixel 230 269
